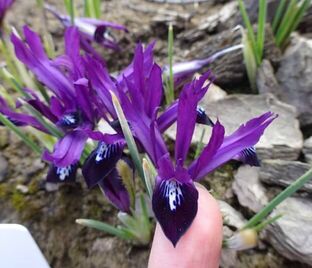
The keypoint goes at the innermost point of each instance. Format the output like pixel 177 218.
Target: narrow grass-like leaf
pixel 261 27
pixel 102 226
pixel 134 152
pixel 200 144
pixel 287 20
pixel 250 31
pixel 278 15
pixel 69 5
pixel 170 58
pixel 92 8
pixel 5 94
pixel 303 7
pixel 149 177
pixel 268 221
pixel 292 188
pixel 20 133
pixel 250 61
pixel 54 131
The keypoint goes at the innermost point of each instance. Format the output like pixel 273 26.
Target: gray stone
pixel 291 234
pixel 281 140
pixel 248 188
pixel 3 168
pixel 283 172
pixel 266 80
pixel 307 150
pixel 295 77
pixel 231 217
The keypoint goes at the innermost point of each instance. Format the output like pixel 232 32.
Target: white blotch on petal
pixel 63 172
pixel 173 193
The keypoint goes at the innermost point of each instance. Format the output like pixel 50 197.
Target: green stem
pixel 292 188
pixel 170 55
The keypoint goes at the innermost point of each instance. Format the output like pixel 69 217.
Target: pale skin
pixel 199 247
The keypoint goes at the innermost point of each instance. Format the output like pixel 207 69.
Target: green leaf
pixel 250 61
pixel 292 188
pixel 149 177
pixel 200 144
pixel 69 5
pixel 21 134
pixel 102 226
pixel 250 31
pixel 134 152
pixel 261 27
pixel 278 15
pixel 170 58
pixel 92 8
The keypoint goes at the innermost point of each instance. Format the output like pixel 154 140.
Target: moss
pixel 33 187
pixel 27 208
pixel 220 181
pixel 4 191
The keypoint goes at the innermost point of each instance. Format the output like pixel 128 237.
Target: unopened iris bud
pixel 244 239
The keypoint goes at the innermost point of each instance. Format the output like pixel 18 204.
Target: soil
pixel 50 215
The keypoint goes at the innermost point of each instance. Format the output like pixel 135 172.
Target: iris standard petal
pixel 186 119
pixel 101 162
pixel 62 174
pixel 175 207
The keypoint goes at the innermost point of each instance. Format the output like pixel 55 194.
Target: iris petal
pixel 101 162
pixel 175 207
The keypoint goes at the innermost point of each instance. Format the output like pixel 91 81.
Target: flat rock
pixel 307 150
pixel 295 77
pixel 3 168
pixel 283 172
pixel 248 188
pixel 281 140
pixel 291 234
pixel 231 217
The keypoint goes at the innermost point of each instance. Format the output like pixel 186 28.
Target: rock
pixel 283 172
pixel 266 80
pixel 51 187
pixel 307 150
pixel 3 168
pixel 22 188
pixel 281 140
pixel 295 77
pixel 291 234
pixel 214 93
pixel 248 188
pixel 231 216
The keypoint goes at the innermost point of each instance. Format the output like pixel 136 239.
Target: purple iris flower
pixel 184 71
pixel 175 196
pixel 92 30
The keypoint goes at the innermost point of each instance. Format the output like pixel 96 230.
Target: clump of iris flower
pixel 175 196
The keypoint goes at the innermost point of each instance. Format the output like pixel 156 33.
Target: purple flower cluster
pixel 80 89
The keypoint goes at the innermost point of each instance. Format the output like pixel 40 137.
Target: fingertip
pixel 200 246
